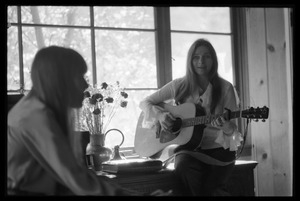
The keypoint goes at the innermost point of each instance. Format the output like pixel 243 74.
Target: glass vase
pixel 96 152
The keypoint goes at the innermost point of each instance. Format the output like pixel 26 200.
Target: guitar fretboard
pixel 208 119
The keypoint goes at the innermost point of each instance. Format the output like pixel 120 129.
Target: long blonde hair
pixel 189 82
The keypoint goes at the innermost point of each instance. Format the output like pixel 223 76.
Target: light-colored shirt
pixel 212 136
pixel 39 154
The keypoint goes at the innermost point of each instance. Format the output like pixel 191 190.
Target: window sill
pixel 241 182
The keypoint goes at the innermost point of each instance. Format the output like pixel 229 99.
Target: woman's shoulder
pixel 175 83
pixel 178 81
pixel 225 84
pixel 28 112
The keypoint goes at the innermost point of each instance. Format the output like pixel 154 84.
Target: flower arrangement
pixel 100 105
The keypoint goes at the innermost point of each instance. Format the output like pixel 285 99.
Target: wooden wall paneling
pixel 277 84
pixel 259 96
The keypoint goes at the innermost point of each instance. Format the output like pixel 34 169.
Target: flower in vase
pixel 100 105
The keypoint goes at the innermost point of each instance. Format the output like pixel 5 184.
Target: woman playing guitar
pixel 205 166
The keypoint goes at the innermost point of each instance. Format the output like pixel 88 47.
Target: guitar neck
pixel 208 119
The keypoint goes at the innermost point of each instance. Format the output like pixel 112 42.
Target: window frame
pixel 162 37
pixel 163 45
pixel 240 70
pixel 162 33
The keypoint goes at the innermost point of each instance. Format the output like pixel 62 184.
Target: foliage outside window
pixel 118 43
pixel 212 23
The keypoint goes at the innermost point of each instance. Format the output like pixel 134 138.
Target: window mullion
pixel 94 71
pixel 22 83
pixel 163 45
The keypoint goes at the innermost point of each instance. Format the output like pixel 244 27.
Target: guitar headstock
pixel 256 113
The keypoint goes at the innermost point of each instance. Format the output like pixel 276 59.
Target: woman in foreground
pixel 42 150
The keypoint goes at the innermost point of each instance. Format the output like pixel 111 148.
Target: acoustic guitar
pixel 187 129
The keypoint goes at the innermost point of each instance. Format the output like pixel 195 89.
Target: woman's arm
pixel 51 148
pixel 230 136
pixel 152 111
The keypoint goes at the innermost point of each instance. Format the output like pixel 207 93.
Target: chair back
pixel 12 99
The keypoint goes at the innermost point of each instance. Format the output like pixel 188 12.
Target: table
pixel 241 182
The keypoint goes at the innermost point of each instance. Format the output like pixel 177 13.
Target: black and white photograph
pixel 173 100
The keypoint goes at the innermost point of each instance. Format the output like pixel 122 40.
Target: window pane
pixel 56 15
pixel 13 71
pixel 209 19
pixel 12 14
pixel 182 42
pixel 124 17
pixel 126 119
pixel 35 38
pixel 126 56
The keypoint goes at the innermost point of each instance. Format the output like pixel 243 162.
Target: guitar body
pixel 187 130
pixel 148 144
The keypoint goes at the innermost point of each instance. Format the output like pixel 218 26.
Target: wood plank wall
pixel 268 85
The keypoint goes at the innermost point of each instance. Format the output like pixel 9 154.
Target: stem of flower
pixel 102 116
pixel 111 116
pixel 112 112
pixel 89 122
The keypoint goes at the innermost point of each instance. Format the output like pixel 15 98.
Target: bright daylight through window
pixel 118 44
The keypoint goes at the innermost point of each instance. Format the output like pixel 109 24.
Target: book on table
pixel 132 166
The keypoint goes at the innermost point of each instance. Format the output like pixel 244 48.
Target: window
pixel 141 47
pixel 212 23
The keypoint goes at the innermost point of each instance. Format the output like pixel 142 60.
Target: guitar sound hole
pixel 177 125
